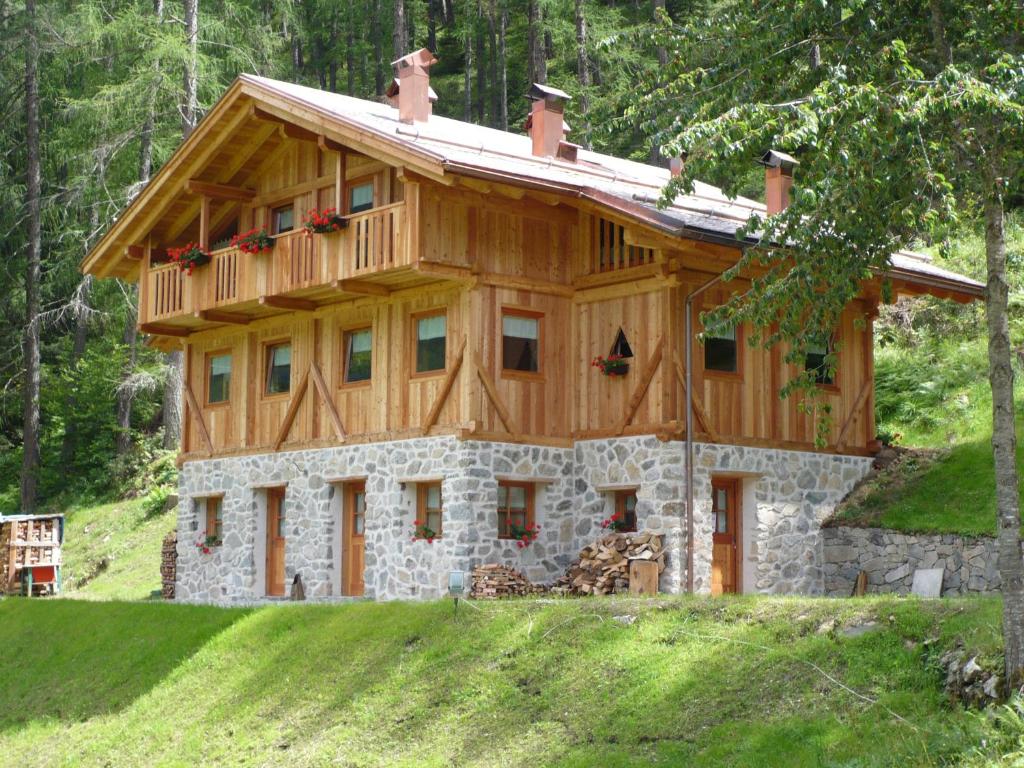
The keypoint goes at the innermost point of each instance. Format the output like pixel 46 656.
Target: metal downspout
pixel 688 331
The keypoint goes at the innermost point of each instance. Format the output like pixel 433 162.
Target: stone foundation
pixel 786 495
pixel 890 558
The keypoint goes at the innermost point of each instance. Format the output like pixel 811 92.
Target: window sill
pixel 439 373
pixel 276 396
pixel 534 376
pixel 366 384
pixel 723 375
pixel 215 406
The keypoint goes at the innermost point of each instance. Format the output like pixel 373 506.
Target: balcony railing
pixel 374 242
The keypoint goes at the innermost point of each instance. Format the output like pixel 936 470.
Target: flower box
pixel 613 365
pixel 317 222
pixel 188 257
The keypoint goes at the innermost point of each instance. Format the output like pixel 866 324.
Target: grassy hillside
pixel 765 682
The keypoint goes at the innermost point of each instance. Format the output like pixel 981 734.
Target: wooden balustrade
pixel 375 241
pixel 609 250
pixel 224 275
pixel 298 261
pixel 167 289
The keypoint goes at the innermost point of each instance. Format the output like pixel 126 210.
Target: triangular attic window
pixel 621 346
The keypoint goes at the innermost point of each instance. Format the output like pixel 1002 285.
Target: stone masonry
pixel 786 496
pixel 890 558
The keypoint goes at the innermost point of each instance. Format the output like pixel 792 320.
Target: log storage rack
pixel 30 554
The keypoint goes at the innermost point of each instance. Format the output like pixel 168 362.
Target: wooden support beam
pixel 219 191
pixel 135 252
pixel 220 316
pixel 288 302
pixel 698 404
pixel 204 223
pixel 641 386
pixel 289 129
pixel 364 287
pixel 858 405
pixel 156 329
pixel 193 406
pixel 495 398
pixel 293 409
pixel 328 401
pixel 330 145
pixel 446 388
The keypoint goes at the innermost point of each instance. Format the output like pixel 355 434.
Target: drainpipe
pixel 688 326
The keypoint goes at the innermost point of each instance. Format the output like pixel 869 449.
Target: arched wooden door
pixel 725 550
pixel 354 539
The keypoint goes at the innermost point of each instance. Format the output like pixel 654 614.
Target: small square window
pixel 215 518
pixel 515 508
pixel 283 219
pixel 279 369
pixel 720 351
pixel 520 343
pixel 625 508
pixel 431 337
pixel 360 197
pixel 429 507
pixel 218 379
pixel 358 355
pixel 814 361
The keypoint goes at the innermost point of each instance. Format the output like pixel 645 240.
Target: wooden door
pixel 275 542
pixel 353 539
pixel 725 550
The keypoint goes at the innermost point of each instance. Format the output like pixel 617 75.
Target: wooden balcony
pixel 372 255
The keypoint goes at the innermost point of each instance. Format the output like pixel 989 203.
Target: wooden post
pixel 204 223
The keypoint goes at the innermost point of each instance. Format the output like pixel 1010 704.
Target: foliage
pixel 524 535
pixel 423 532
pixel 694 681
pixel 255 241
pixel 317 222
pixel 613 365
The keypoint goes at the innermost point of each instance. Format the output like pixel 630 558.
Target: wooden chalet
pixel 476 276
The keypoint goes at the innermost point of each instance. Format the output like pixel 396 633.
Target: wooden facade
pixel 473 251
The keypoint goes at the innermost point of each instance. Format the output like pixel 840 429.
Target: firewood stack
pixel 493 582
pixel 169 564
pixel 603 567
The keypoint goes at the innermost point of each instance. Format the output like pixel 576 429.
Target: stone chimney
pixel 778 178
pixel 545 123
pixel 411 87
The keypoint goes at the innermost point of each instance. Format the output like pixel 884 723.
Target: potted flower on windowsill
pixel 421 531
pixel 613 365
pixel 317 222
pixel 205 543
pixel 188 257
pixel 256 240
pixel 615 523
pixel 524 535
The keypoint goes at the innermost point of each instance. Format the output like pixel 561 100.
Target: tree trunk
pixel 190 107
pixel 1004 442
pixel 69 442
pixel 125 395
pixel 502 70
pixel 583 65
pixel 399 31
pixel 467 79
pixel 662 54
pixel 536 65
pixel 378 51
pixel 492 35
pixel 432 26
pixel 30 461
pixel 481 72
pixel 350 50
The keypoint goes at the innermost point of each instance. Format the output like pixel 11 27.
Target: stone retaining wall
pixel 890 559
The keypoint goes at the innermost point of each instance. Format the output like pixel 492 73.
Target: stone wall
pixel 890 559
pixel 786 496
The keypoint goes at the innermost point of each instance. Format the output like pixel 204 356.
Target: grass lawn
pixel 744 682
pixel 112 551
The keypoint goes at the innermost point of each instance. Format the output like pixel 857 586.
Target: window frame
pixel 531 503
pixel 267 359
pixel 207 370
pixel 514 373
pixel 360 181
pixel 414 321
pixel 730 375
pixel 346 334
pixel 620 506
pixel 423 511
pixel 273 209
pixel 831 343
pixel 211 530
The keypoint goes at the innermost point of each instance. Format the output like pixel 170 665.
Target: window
pixel 279 368
pixel 428 506
pixel 720 351
pixel 360 197
pixel 358 355
pixel 814 361
pixel 625 508
pixel 215 518
pixel 520 342
pixel 431 332
pixel 283 219
pixel 515 508
pixel 218 378
pixel 720 509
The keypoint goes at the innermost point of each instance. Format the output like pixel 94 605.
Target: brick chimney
pixel 778 178
pixel 412 86
pixel 545 123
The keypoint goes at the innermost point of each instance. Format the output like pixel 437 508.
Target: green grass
pixel 744 682
pixel 124 537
